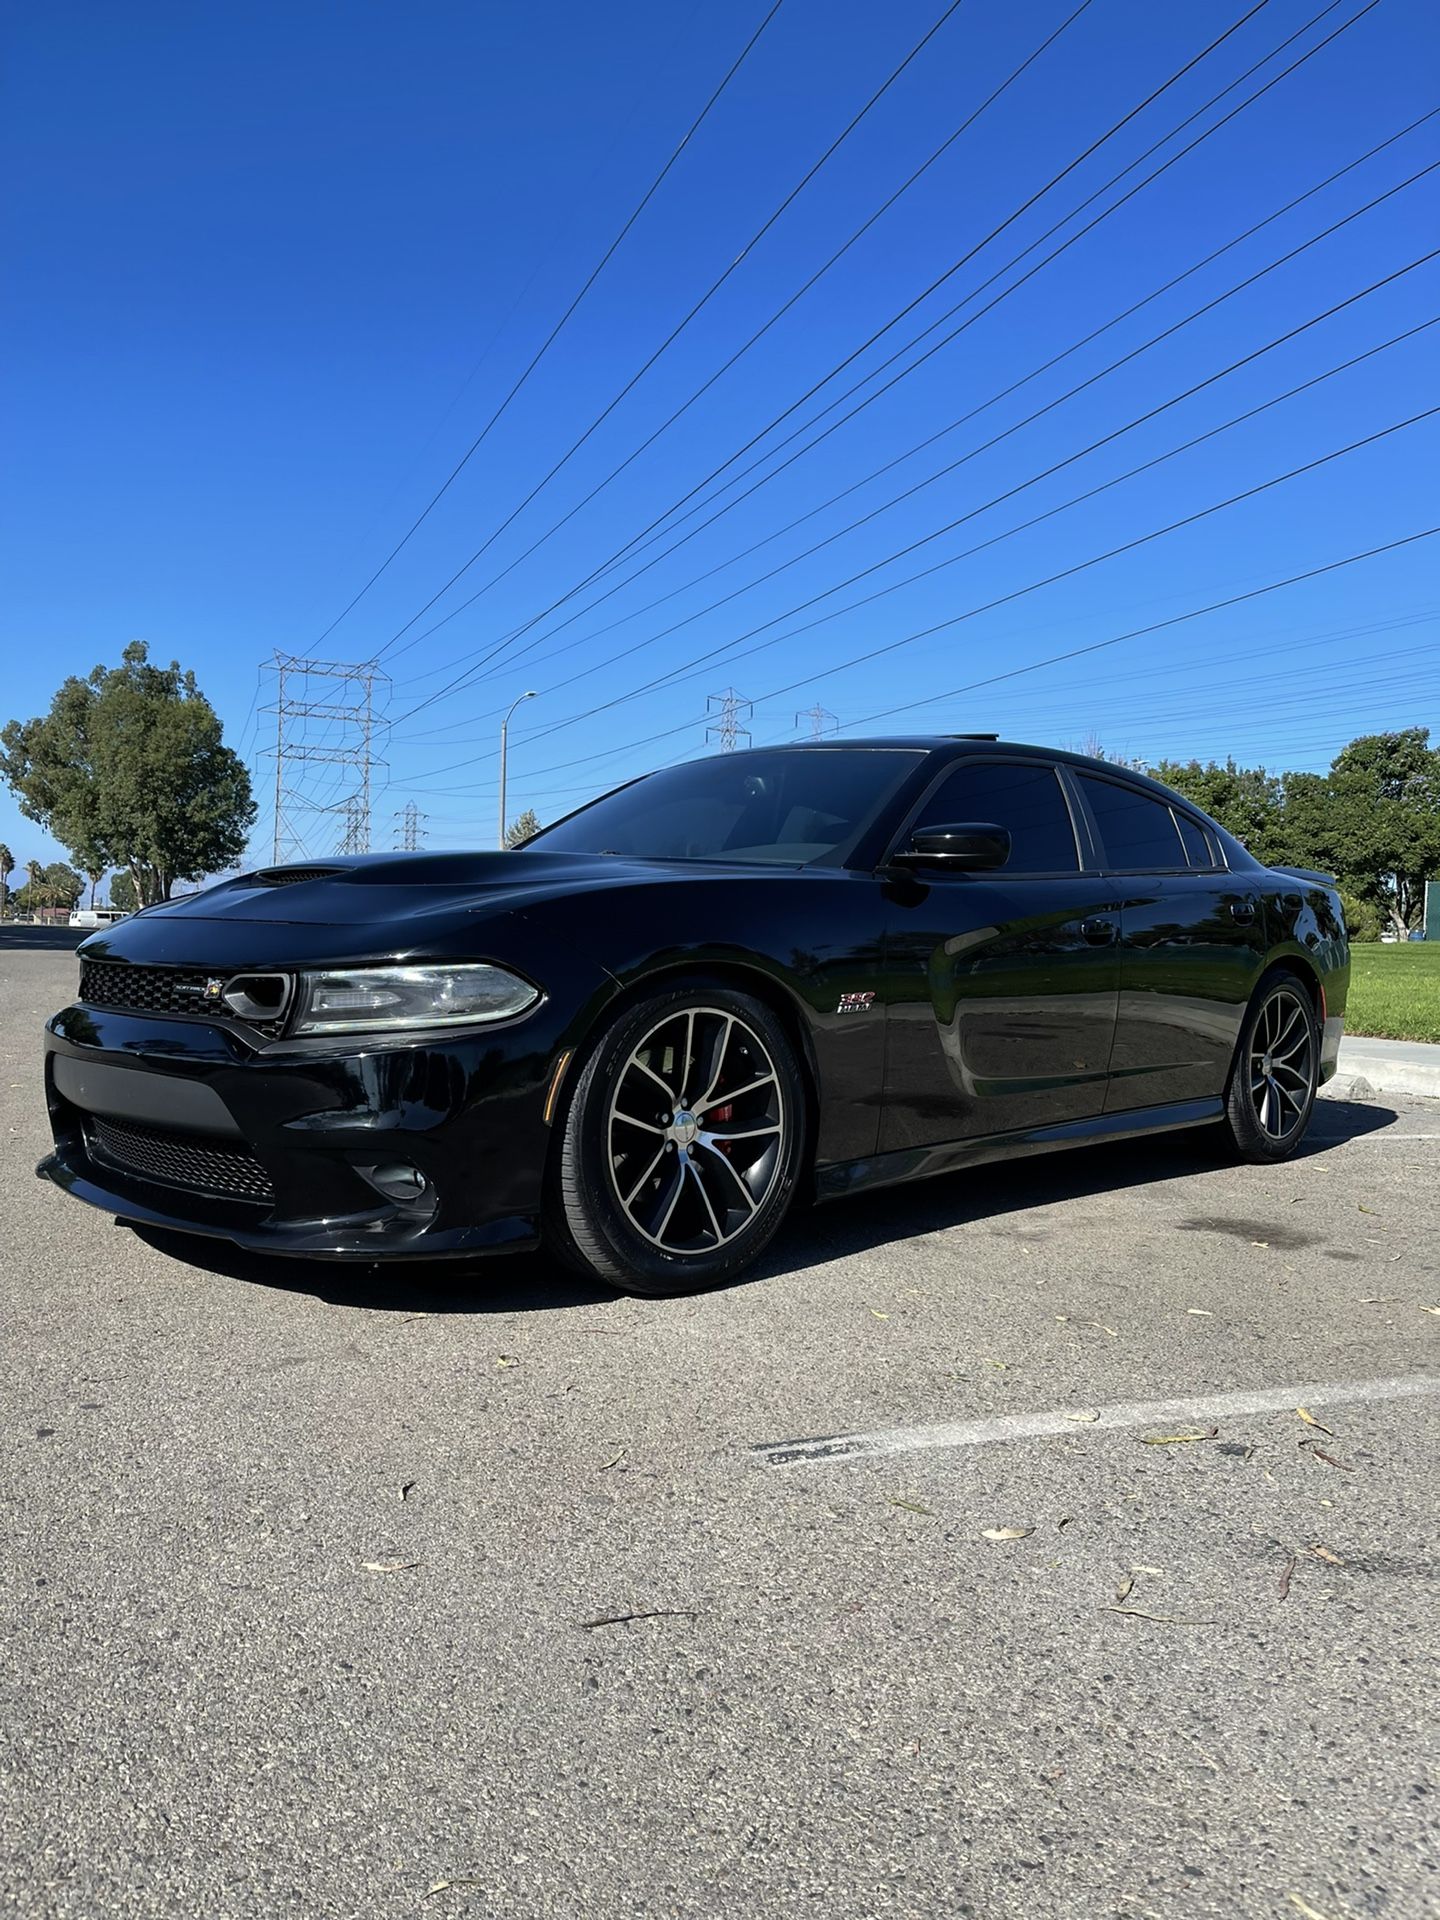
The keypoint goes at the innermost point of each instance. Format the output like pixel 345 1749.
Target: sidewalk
pixel 1370 1067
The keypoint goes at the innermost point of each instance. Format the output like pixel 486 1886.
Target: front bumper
pixel 297 1133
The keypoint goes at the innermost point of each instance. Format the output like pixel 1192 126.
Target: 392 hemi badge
pixel 854 1002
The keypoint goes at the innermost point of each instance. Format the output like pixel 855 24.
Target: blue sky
pixel 272 267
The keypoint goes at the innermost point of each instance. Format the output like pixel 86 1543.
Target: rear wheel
pixel 1276 1073
pixel 680 1145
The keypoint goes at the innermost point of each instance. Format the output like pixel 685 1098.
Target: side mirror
pixel 976 844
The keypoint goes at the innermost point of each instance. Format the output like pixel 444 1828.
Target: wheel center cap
pixel 684 1128
pixel 1267 1065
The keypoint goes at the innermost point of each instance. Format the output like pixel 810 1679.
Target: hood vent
pixel 287 876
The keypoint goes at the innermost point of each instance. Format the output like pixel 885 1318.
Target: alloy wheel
pixel 696 1131
pixel 1282 1063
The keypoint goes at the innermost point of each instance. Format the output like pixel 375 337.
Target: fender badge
pixel 854 1002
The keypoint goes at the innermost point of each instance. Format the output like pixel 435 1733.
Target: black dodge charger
pixel 823 967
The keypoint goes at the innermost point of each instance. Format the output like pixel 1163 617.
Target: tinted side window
pixel 1135 831
pixel 1198 850
pixel 1026 799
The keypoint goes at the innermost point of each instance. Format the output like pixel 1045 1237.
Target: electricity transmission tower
pixel 324 713
pixel 730 710
pixel 821 720
pixel 407 839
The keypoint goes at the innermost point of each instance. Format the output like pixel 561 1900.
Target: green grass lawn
pixel 1395 991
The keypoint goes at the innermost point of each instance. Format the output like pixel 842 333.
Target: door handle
pixel 1243 911
pixel 1097 931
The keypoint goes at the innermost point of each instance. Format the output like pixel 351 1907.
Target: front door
pixel 1002 986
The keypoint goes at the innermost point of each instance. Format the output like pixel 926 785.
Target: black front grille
pixel 182 1160
pixel 105 983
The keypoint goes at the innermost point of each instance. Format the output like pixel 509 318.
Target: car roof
pixel 956 745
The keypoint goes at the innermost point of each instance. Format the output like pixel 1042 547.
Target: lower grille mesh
pixel 182 1160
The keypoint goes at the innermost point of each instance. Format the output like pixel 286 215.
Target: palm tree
pixel 7 867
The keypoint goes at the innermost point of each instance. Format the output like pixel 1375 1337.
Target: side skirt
pixel 949 1156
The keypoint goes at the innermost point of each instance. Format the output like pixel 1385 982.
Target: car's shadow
pixel 812 1237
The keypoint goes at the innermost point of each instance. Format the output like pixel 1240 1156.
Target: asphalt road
pixel 312 1576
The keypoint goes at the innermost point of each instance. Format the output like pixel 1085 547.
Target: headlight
pixel 368 999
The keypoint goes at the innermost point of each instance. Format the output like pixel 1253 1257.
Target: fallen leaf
pixel 1000 1366
pixel 878 1314
pixel 388 1566
pixel 1067 1521
pixel 622 1619
pixel 1375 1216
pixel 616 1461
pixel 506 1360
pixel 1328 1458
pixel 1127 1587
pixel 1304 1906
pixel 913 1506
pixel 1176 1439
pixel 460 1880
pixel 1430 1309
pixel 1159 1572
pixel 1085 1414
pixel 1284 1588
pixel 1007 1533
pixel 1201 1313
pixel 1259 1243
pixel 1310 1421
pixel 1324 1553
pixel 1162 1619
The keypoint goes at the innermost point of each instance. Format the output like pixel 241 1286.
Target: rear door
pixel 1002 986
pixel 1192 944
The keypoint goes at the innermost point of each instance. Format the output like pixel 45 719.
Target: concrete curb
pixel 1369 1068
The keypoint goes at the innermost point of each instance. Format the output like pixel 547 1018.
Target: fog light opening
pixel 399 1181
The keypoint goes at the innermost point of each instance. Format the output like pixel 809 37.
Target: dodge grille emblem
pixel 213 987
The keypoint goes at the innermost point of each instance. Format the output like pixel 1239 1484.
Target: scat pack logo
pixel 855 1002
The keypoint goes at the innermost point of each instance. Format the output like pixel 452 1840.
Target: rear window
pixel 1136 832
pixel 1199 849
pixel 1027 800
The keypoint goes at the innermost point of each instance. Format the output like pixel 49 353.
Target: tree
pixel 7 867
pixel 1385 819
pixel 128 769
pixel 521 829
pixel 94 875
pixel 1247 801
pixel 122 892
pixel 53 886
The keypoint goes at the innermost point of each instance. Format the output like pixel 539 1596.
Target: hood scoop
pixel 287 876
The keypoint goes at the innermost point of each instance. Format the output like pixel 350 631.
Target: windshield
pixel 784 808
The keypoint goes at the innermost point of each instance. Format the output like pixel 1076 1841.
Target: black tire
pixel 727 1185
pixel 1275 1074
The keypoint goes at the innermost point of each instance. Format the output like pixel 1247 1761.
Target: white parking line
pixel 1072 1420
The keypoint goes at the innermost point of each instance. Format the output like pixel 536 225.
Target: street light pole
pixel 504 734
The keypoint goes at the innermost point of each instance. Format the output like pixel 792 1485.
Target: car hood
pixel 381 889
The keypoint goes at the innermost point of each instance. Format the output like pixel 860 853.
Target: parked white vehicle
pixel 96 916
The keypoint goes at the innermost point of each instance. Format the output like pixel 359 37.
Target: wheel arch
pixel 740 975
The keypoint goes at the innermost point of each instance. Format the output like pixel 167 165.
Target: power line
pixel 953 425
pixel 697 665
pixel 677 330
pixel 1064 573
pixel 560 324
pixel 955 266
pixel 997 439
pixel 760 332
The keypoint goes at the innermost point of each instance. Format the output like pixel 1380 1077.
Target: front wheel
pixel 681 1143
pixel 1276 1074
